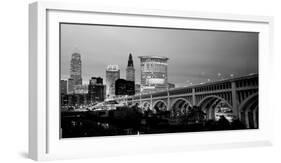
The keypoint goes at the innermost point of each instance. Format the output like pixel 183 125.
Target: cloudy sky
pixel 194 55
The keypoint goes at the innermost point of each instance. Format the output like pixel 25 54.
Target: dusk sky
pixel 194 55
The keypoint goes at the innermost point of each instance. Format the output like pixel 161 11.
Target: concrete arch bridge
pixel 238 95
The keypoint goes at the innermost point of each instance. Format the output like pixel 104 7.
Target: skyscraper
pixel 154 73
pixel 75 69
pixel 130 70
pixel 112 74
pixel 75 73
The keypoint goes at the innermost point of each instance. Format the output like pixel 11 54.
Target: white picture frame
pixel 44 142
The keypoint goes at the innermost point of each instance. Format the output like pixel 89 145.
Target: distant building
pixel 96 81
pixel 75 69
pixel 130 70
pixel 130 86
pixel 112 74
pixel 75 73
pixel 80 89
pixel 137 88
pixel 96 90
pixel 64 99
pixel 171 85
pixel 63 86
pixel 70 86
pixel 124 87
pixel 154 73
pixel 74 99
pixel 76 92
pixel 120 87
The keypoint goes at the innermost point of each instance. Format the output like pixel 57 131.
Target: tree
pixel 223 123
pixel 195 115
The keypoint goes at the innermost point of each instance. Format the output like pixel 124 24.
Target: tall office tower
pixel 96 90
pixel 154 73
pixel 130 70
pixel 75 69
pixel 112 74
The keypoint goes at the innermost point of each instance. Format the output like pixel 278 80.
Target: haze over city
pixel 194 56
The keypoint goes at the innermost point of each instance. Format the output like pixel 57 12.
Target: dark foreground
pixel 131 121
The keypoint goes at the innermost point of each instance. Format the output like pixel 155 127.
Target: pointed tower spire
pixel 130 70
pixel 130 61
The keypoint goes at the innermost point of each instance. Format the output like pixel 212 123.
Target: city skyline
pixel 129 73
pixel 193 59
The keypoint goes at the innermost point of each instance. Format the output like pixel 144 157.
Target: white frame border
pixel 38 66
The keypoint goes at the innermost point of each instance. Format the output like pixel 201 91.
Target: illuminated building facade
pixel 154 73
pixel 75 72
pixel 112 74
pixel 75 69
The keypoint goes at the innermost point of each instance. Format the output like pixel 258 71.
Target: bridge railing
pixel 249 81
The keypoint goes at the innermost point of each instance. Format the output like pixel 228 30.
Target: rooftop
pixel 150 57
pixel 112 68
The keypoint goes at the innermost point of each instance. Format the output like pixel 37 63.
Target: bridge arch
pixel 136 103
pixel 209 104
pixel 160 105
pixel 180 106
pixel 249 111
pixel 145 105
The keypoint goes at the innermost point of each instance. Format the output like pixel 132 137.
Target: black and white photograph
pixel 132 80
